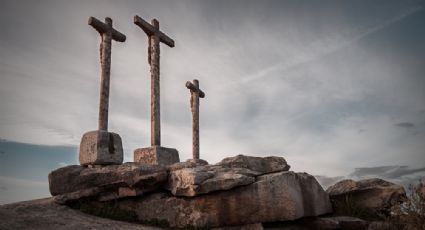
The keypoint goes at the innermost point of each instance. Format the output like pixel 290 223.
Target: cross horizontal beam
pixel 153 29
pixel 193 87
pixel 105 28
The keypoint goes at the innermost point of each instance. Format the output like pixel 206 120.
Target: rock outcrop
pixel 231 172
pixel 105 182
pixel 237 191
pixel 273 197
pixel 375 195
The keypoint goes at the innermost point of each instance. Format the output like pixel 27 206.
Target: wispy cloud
pixel 62 164
pixel 406 125
pixel 326 47
pixel 402 175
pixel 409 127
pixel 301 80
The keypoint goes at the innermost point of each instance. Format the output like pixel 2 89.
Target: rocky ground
pixel 239 192
pixel 46 214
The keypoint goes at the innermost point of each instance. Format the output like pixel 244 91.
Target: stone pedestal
pixel 156 155
pixel 101 147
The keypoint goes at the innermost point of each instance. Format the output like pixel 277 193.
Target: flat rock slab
pixel 190 179
pixel 156 155
pixel 105 182
pixel 259 164
pixel 207 178
pixel 44 214
pixel 191 163
pixel 273 197
pixel 374 194
pixel 101 148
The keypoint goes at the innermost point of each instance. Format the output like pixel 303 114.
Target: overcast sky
pixel 329 85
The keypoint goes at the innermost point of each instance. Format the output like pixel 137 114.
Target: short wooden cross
pixel 195 94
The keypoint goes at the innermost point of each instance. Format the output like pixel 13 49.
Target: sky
pixel 335 86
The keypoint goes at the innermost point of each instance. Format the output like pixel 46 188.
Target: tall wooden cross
pixel 195 94
pixel 155 37
pixel 107 34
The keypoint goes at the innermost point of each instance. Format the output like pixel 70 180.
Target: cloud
pixel 390 172
pixel 62 164
pixel 406 125
pixel 409 127
pixel 312 76
pixel 402 175
pixel 332 45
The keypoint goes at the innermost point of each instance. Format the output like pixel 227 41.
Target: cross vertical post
pixel 107 33
pixel 105 63
pixel 195 94
pixel 155 37
pixel 100 147
pixel 156 154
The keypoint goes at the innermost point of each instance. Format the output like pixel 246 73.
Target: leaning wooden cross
pixel 101 147
pixel 195 93
pixel 155 154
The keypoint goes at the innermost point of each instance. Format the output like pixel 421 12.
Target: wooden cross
pixel 155 37
pixel 107 33
pixel 195 93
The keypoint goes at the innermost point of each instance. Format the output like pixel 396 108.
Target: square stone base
pixel 156 155
pixel 100 147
